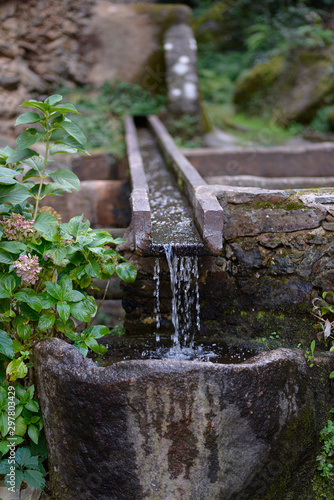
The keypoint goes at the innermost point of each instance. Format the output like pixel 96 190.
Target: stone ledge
pixel 141 212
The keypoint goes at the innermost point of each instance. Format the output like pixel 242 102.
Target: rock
pixel 9 82
pixel 27 493
pixel 213 26
pixel 303 85
pixel 325 281
pixel 253 91
pixel 125 42
pixel 256 221
pixel 187 429
pixel 311 256
pixel 281 264
pixel 293 88
pixel 250 258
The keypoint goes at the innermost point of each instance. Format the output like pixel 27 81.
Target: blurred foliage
pixel 186 131
pixel 103 109
pixel 235 35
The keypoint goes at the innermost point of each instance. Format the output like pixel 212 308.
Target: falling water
pixel 185 300
pixel 156 278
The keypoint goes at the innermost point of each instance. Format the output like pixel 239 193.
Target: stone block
pixel 104 203
pixel 242 222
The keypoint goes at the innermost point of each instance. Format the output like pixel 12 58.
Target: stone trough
pixel 155 429
pixel 193 430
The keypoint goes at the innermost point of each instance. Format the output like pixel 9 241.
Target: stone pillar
pixel 181 71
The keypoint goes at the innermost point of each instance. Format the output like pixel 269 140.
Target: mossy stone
pixel 288 88
pixel 212 26
pixel 253 91
pixel 304 85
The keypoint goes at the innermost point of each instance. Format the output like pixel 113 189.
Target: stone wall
pixel 47 43
pixel 278 255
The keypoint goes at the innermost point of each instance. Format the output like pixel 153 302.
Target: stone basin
pixel 172 430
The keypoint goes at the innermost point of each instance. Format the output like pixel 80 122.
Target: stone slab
pixel 303 161
pixel 250 222
pixel 103 202
pixel 272 182
pixel 141 212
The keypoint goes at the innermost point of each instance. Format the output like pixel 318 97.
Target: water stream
pixel 175 240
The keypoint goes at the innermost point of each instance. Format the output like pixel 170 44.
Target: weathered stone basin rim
pixel 151 429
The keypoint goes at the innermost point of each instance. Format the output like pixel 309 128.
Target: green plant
pixel 46 271
pixel 309 354
pixel 103 110
pixel 326 457
pixel 185 131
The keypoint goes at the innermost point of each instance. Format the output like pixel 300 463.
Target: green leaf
pixel 47 226
pixel 93 269
pixel 35 162
pixel 6 151
pixel 5 257
pixel 61 148
pixel 3 424
pixel 66 178
pixel 73 296
pixel 6 344
pixel 108 270
pixel 53 289
pixel 81 312
pixel 18 347
pixel 8 181
pixel 28 117
pixel 9 282
pixel 66 108
pixel 95 346
pixel 70 141
pixel 53 99
pixel 29 312
pixel 66 284
pixel 29 296
pixel 64 310
pixel 96 331
pixel 16 369
pixel 32 405
pixel 28 138
pixel 14 195
pixel 82 348
pixel 33 433
pixel 23 331
pixel 32 103
pixel 46 320
pixel 20 427
pixel 7 172
pixel 331 375
pixel 74 226
pixel 73 131
pixel 126 271
pixel 20 156
pixel 13 246
pixel 34 478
